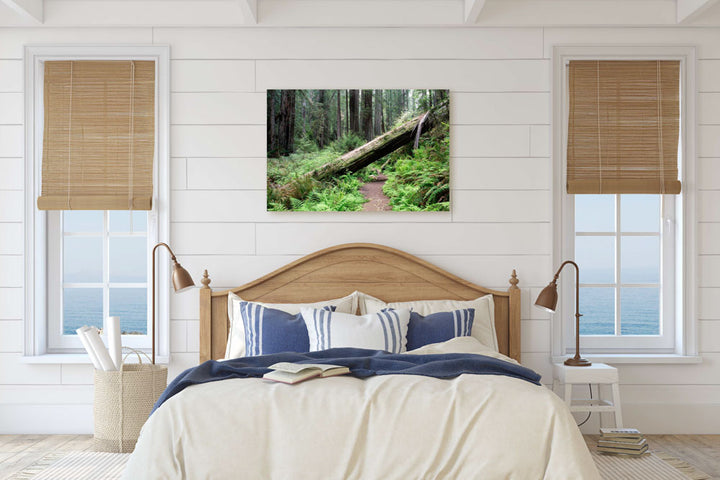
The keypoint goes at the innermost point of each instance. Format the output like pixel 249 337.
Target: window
pixel 627 287
pixel 635 250
pixel 98 267
pixel 85 265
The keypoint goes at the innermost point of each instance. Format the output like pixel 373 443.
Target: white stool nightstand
pixel 597 373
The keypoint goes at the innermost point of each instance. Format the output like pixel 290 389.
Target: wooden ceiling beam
pixel 688 10
pixel 32 9
pixel 249 10
pixel 472 10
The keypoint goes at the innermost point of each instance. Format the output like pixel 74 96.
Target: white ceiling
pixel 339 13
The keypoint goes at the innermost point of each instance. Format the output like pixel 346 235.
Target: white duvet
pixel 383 427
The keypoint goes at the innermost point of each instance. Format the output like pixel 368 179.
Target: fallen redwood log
pixel 375 149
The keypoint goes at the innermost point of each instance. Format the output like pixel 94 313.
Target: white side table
pixel 597 373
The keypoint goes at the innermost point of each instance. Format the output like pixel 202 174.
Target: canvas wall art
pixel 358 150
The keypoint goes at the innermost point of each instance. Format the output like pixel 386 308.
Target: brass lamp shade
pixel 181 279
pixel 548 298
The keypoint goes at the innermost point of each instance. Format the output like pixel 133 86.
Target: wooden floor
pixel 19 451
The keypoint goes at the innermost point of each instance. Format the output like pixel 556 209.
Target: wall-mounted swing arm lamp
pixel 547 300
pixel 181 281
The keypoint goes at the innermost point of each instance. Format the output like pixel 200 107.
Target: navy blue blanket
pixel 362 363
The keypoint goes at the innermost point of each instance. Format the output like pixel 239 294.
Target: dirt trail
pixel 373 191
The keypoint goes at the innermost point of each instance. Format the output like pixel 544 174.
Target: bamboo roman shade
pixel 99 135
pixel 624 126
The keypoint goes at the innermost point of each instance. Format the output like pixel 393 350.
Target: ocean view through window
pixel 618 245
pixel 104 269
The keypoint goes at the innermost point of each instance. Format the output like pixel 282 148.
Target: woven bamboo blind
pixel 99 135
pixel 624 127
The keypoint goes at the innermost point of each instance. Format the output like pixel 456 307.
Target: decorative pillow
pixel 483 325
pixel 378 331
pixel 438 327
pixel 268 330
pixel 236 335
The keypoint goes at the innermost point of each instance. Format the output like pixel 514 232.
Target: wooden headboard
pixel 380 271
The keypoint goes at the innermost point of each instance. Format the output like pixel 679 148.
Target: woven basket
pixel 123 402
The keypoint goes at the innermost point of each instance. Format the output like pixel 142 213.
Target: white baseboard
pixel 46 419
pixel 662 418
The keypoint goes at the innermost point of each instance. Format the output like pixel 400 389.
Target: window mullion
pixel 661 287
pixel 618 279
pixel 106 267
pixel 61 279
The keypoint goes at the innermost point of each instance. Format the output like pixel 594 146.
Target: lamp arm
pixel 172 255
pixel 163 244
pixel 557 274
pixel 577 360
pixel 577 283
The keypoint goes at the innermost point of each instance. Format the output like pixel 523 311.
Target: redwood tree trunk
pixel 378 113
pixel 338 131
pixel 272 140
pixel 323 124
pixel 286 123
pixel 367 114
pixel 354 105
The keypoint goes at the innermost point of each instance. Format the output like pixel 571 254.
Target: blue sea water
pixel 640 311
pixel 83 306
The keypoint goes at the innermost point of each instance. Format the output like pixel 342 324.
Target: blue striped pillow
pixel 273 331
pixel 377 331
pixel 439 327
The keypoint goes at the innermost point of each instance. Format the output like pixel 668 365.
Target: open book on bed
pixel 292 373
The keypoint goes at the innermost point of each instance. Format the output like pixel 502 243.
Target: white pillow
pixel 236 337
pixel 483 325
pixel 377 331
pixel 460 345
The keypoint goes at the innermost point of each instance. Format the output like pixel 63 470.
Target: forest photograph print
pixel 358 150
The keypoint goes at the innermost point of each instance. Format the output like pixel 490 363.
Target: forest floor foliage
pixel 417 179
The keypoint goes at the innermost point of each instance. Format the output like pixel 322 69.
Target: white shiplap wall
pixel 501 186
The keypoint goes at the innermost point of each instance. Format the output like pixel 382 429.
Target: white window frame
pixel 37 280
pixel 678 225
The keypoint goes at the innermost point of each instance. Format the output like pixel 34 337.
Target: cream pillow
pixel 460 345
pixel 483 326
pixel 236 337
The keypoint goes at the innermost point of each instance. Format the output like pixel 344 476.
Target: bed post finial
pixel 205 280
pixel 205 318
pixel 514 317
pixel 513 280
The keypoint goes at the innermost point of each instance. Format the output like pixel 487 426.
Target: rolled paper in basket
pixel 91 353
pixel 114 341
pixel 96 343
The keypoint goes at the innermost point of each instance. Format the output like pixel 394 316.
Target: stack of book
pixel 625 441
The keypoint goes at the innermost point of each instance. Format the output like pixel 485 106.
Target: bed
pixel 384 426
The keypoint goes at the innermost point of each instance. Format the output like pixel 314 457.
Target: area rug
pixel 110 466
pixel 651 466
pixel 75 466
